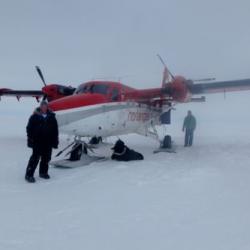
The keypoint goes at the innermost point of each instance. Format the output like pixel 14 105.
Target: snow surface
pixel 196 199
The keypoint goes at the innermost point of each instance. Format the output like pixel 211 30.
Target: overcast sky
pixel 76 41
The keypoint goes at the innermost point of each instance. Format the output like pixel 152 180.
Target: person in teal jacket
pixel 189 126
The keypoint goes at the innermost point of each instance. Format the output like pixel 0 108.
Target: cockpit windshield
pixel 63 90
pixel 93 89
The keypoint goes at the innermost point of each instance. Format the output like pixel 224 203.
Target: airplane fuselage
pixel 108 119
pixel 105 109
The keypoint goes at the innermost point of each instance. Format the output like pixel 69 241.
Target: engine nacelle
pixel 55 91
pixel 177 89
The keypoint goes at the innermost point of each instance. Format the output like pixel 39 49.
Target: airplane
pixel 100 109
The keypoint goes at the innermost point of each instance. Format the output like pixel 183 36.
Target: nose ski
pixel 80 154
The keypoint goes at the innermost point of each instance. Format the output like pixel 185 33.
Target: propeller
pixel 43 80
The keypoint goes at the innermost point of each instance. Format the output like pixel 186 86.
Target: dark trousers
pixel 189 136
pixel 42 154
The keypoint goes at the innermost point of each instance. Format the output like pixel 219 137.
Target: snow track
pixel 195 199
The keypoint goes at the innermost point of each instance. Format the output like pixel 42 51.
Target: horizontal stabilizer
pixel 218 87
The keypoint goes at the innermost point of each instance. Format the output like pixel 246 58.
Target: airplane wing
pixel 21 93
pixel 218 87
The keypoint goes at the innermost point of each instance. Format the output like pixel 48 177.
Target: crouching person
pixel 42 133
pixel 123 153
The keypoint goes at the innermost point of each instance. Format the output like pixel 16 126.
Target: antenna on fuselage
pixel 110 78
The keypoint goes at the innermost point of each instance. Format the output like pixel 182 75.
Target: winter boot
pixel 44 176
pixel 30 179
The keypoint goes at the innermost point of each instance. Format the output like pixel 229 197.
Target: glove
pixel 55 145
pixel 30 142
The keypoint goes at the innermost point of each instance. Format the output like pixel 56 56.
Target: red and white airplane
pixel 107 108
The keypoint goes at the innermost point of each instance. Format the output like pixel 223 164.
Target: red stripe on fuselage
pixel 77 101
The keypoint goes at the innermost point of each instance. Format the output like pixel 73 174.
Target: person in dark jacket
pixel 123 153
pixel 189 126
pixel 42 133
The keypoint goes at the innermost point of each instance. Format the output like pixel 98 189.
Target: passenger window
pixel 115 95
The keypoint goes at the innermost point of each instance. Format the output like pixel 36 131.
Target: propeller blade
pixel 41 75
pixel 45 98
pixel 164 64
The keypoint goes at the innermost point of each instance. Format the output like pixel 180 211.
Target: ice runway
pixel 195 199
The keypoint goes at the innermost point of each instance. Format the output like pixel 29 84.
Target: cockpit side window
pixel 82 89
pixel 99 89
pixel 93 89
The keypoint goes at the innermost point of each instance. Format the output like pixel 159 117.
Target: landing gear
pixel 95 140
pixel 77 151
pixel 167 142
pixel 166 145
